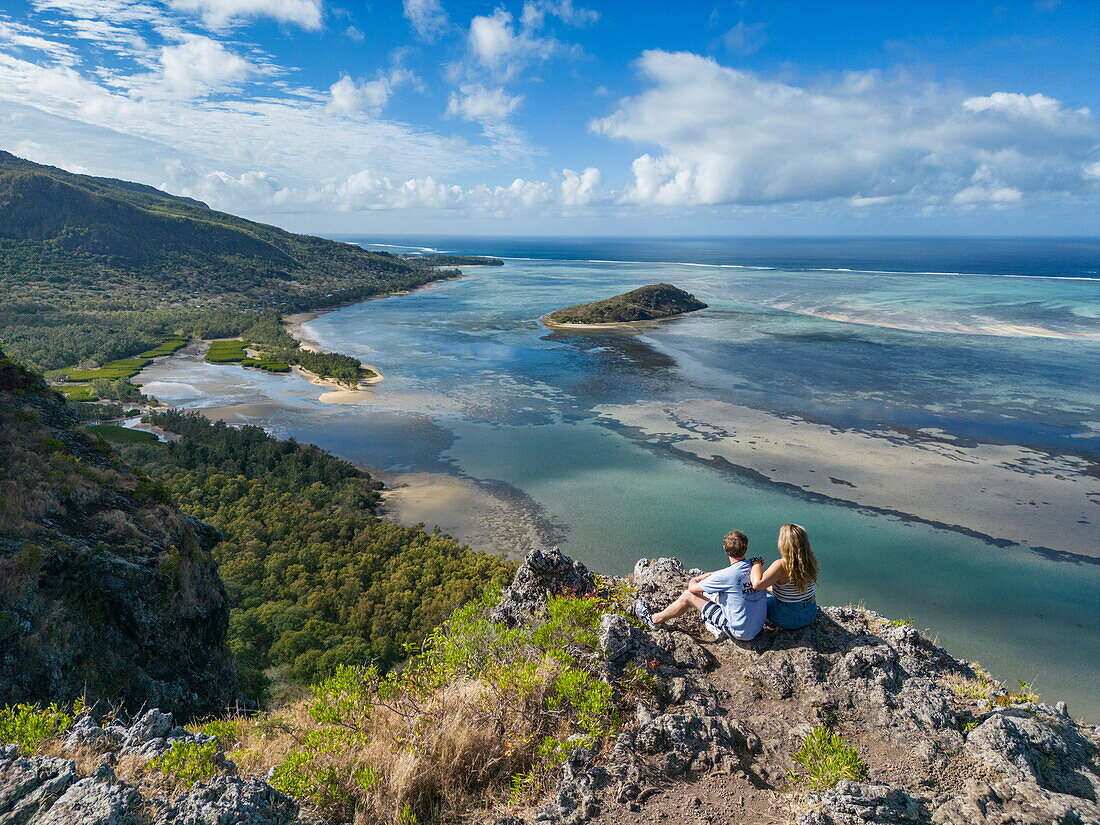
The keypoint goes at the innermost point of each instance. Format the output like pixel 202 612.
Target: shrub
pixel 187 762
pixel 481 714
pixel 827 759
pixel 28 726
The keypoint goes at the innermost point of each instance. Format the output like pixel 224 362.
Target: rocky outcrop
pixel 545 572
pixel 716 742
pixel 107 590
pixel 44 790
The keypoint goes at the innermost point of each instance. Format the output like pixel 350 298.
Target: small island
pixel 655 302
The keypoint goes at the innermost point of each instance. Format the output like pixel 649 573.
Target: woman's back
pixel 788 592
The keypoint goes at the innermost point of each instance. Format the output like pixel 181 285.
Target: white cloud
pixel 427 18
pixel 579 189
pixel 473 102
pixel 973 195
pixel 349 97
pixel 200 65
pixel 496 45
pixel 727 136
pixel 23 38
pixel 536 11
pixel 745 38
pixel 221 13
pixel 365 191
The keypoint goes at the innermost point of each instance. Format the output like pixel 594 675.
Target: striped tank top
pixel 789 593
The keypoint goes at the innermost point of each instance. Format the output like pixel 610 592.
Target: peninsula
pixel 655 302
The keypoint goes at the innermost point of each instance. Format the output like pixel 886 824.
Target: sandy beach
pixel 625 325
pixel 1007 493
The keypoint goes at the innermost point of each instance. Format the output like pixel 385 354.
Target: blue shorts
pixel 791 615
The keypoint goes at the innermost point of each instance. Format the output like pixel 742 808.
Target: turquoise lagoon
pixel 477 387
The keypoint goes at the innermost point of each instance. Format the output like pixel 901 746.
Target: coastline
pixel 624 325
pixel 338 393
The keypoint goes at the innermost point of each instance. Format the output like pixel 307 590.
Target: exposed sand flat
pixel 1005 492
pixel 462 509
pixel 977 327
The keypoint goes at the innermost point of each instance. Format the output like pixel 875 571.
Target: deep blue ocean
pixel 979 342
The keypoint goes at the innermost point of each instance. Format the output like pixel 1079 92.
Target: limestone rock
pixel 544 572
pixel 226 800
pixel 28 787
pixel 855 803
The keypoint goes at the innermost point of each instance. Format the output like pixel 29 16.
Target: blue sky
pixel 549 116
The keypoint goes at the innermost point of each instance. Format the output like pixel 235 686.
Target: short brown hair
pixel 736 544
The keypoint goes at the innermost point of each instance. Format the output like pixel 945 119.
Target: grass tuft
pixel 827 759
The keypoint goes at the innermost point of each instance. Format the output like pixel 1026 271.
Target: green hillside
pixel 93 269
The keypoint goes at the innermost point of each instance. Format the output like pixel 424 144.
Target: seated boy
pixel 726 598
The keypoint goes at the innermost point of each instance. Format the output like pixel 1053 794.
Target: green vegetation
pixel 647 303
pixel 225 352
pixel 93 269
pixel 187 763
pixel 28 726
pixel 482 714
pixel 279 347
pixel 121 368
pixel 315 579
pixel 453 260
pixel 77 392
pixel 121 435
pixel 827 759
pixel 90 411
pixel 266 366
pixel 166 348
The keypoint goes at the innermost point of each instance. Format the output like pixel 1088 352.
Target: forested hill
pixel 94 268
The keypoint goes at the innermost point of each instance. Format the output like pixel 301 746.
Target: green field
pixel 77 392
pixel 226 352
pixel 121 435
pixel 120 368
pixel 167 348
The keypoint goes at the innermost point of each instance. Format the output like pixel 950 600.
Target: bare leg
pixel 682 605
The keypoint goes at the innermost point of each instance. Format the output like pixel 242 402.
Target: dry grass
pixel 455 752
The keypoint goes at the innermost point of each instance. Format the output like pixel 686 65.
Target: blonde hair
pixel 736 544
pixel 798 558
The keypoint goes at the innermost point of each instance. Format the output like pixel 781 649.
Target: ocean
pixel 928 408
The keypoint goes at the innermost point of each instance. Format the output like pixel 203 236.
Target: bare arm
pixel 762 580
pixel 694 585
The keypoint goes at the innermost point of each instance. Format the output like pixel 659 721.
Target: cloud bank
pixel 732 137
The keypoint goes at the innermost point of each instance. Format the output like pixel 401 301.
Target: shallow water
pixel 475 386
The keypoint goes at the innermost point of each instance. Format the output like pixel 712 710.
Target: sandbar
pixel 462 508
pixel 1007 493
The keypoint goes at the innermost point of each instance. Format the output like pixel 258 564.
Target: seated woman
pixel 790 580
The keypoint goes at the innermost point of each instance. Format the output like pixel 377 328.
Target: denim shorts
pixel 791 615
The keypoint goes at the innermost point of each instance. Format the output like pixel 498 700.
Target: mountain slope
pixel 78 253
pixel 106 589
